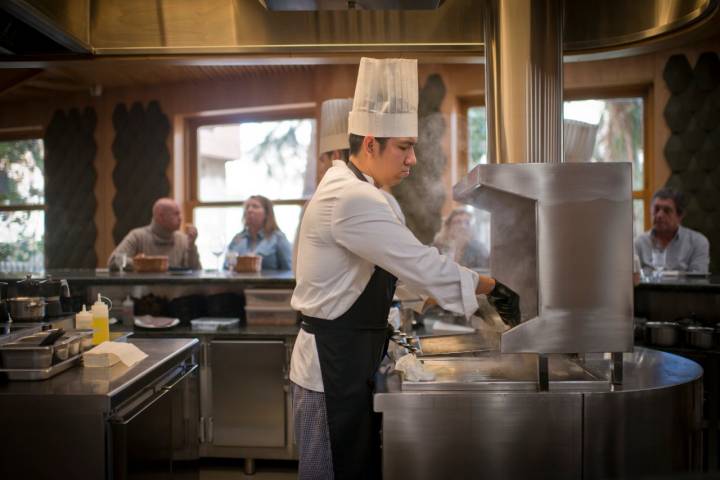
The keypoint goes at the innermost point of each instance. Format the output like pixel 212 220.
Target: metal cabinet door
pixel 248 396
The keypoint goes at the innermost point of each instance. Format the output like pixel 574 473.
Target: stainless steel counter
pixel 99 423
pixel 481 418
pixel 106 387
pixel 85 277
pixel 259 331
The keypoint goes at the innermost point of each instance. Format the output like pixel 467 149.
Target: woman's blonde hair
pixel 270 224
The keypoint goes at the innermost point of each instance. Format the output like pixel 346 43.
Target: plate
pixel 146 321
pixel 112 321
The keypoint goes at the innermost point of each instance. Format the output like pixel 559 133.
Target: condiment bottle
pixel 83 320
pixel 100 322
pixel 128 312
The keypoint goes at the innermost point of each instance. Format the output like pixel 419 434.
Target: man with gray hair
pixel 684 250
pixel 161 237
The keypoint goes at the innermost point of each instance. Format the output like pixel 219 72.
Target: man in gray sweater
pixel 161 237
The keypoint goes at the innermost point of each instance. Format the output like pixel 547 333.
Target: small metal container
pixel 700 337
pixel 27 308
pixel 662 334
pixel 22 355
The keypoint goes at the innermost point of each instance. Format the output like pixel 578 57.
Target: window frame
pixel 31 133
pixel 576 94
pixel 193 124
pixel 16 135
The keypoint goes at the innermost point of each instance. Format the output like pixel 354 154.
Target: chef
pixel 353 248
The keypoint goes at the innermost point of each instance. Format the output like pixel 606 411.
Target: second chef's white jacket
pixel 348 228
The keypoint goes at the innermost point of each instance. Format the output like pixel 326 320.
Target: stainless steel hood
pixel 220 27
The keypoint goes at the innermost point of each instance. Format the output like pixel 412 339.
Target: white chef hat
pixel 334 124
pixel 578 140
pixel 386 98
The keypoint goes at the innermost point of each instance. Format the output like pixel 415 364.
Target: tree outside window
pixel 22 206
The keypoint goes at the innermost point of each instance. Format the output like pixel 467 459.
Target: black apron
pixel 350 349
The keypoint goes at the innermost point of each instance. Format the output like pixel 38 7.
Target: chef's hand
pixel 192 232
pixel 506 302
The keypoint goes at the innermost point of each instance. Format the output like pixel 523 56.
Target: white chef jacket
pixel 349 227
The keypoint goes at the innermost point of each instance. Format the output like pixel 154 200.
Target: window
pixel 22 197
pixel 620 138
pixel 241 156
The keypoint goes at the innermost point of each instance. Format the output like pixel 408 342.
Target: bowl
pixel 248 263
pixel 151 263
pixel 663 334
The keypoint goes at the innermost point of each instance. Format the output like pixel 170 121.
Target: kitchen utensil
pixel 27 308
pixel 41 373
pixel 662 334
pixel 28 287
pixel 52 337
pixel 700 337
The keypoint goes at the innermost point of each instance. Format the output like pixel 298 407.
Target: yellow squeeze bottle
pixel 100 322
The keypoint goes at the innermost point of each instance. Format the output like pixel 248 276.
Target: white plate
pixel 112 321
pixel 142 322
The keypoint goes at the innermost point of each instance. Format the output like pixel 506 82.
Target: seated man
pixel 685 250
pixel 161 237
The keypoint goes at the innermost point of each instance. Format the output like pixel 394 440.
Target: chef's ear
pixel 369 144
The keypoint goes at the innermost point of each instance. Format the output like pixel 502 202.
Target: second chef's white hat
pixel 334 124
pixel 386 98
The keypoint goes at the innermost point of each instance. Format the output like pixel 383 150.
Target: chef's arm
pixel 364 223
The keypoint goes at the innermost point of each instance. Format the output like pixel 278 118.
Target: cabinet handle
pixel 201 430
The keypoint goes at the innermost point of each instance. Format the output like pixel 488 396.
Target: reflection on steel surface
pixel 466 428
pixel 464 343
pixel 561 236
pixel 504 372
pixel 523 80
pixel 140 27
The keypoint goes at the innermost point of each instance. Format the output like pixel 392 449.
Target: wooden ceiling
pixel 26 84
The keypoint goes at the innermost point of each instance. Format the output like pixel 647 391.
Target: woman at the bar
pixel 261 236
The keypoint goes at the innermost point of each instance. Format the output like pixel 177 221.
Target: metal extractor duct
pixel 561 233
pixel 523 80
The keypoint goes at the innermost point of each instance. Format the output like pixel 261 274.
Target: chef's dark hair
pixel 677 197
pixel 356 142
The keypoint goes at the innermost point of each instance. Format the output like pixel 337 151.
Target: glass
pixel 638 217
pixel 242 159
pixel 226 222
pixel 217 249
pixel 121 261
pixel 658 262
pixel 21 241
pixel 21 172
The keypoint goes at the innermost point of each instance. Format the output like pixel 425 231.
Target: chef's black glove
pixel 506 302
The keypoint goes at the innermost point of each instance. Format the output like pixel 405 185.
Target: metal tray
pixel 41 373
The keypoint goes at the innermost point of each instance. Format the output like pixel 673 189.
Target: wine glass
pixel 217 248
pixel 659 258
pixel 121 262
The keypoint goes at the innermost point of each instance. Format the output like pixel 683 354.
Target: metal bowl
pixel 700 337
pixel 27 308
pixel 662 334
